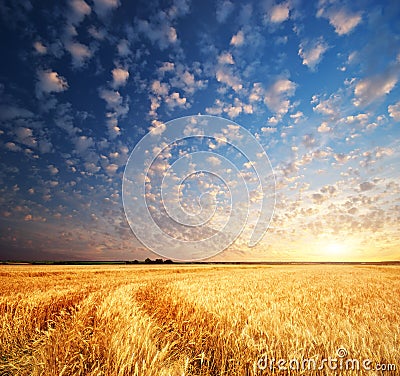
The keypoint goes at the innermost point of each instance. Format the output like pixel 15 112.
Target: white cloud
pixel 12 147
pixel 159 31
pixel 118 109
pixel 186 80
pixel 329 107
pixel 50 82
pixel 157 127
pixel 214 161
pixel 25 136
pixel 39 47
pixel 312 52
pixel 79 53
pixel 166 67
pixel 394 111
pixel 268 130
pixel 175 100
pixel 159 88
pixel 277 96
pixel 224 9
pixel 79 9
pixel 341 19
pixel 225 58
pixel 111 169
pixel 120 77
pixel 123 48
pixel 226 76
pixel 103 7
pixel 324 127
pixel 237 39
pixel 83 143
pixel 279 13
pixel 53 170
pixel 372 88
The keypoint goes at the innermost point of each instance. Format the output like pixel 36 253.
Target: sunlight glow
pixel 336 249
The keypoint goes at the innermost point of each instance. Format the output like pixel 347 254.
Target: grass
pixel 196 320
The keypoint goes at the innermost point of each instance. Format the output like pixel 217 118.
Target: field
pixel 199 320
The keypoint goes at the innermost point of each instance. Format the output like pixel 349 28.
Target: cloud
pixel 53 170
pixel 157 127
pixel 103 7
pixel 120 77
pixel 12 147
pixel 224 9
pixel 341 157
pixel 79 9
pixel 13 112
pixel 268 130
pixel 175 100
pixel 111 169
pixel 340 18
pixel 159 88
pixel 159 31
pixel 79 53
pixel 373 88
pixel 237 39
pixel 123 48
pixel 279 13
pixel 328 107
pixel 25 136
pixel 186 80
pixel 214 161
pixel 312 52
pixel 118 109
pixel 394 111
pixel 225 58
pixel 39 47
pixel 366 186
pixel 277 96
pixel 324 127
pixel 82 144
pixel 50 82
pixel 226 76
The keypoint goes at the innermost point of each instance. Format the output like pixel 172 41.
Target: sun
pixel 335 249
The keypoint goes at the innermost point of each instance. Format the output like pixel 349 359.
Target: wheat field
pixel 198 320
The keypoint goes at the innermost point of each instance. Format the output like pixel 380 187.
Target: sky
pixel 315 82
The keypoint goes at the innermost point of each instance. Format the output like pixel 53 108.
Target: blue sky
pixel 316 82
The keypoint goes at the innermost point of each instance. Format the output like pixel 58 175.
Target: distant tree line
pixel 150 261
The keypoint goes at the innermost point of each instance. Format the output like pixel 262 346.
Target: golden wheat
pixel 196 320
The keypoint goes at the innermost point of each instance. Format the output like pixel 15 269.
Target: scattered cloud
pixel 79 9
pixel 120 77
pixel 312 52
pixel 372 88
pixel 394 111
pixel 50 82
pixel 80 53
pixel 324 127
pixel 40 48
pixel 341 19
pixel 277 96
pixel 237 39
pixel 224 9
pixel 366 186
pixel 279 13
pixel 104 7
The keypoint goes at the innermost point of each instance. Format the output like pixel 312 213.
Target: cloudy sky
pixel 316 83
